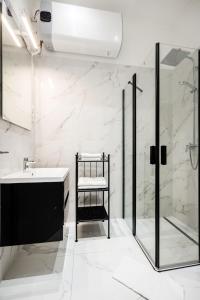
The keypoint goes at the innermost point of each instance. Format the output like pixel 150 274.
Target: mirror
pixel 16 73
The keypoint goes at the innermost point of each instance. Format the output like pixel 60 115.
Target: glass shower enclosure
pixel 161 156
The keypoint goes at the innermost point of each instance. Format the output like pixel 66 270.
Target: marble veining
pixel 79 109
pixel 17 96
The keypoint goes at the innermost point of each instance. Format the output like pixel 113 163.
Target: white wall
pixel 78 109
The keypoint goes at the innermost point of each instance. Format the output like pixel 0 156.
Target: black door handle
pixel 163 155
pixel 152 155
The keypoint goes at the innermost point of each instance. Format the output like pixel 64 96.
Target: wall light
pixel 11 31
pixel 29 31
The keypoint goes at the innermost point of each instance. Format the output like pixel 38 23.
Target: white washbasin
pixel 36 175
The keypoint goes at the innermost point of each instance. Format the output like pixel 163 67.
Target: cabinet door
pixel 31 213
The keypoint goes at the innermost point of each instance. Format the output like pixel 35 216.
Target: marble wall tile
pixel 17 83
pixel 79 109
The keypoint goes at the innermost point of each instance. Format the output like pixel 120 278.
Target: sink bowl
pixel 36 175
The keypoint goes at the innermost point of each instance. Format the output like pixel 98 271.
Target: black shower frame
pixel 155 264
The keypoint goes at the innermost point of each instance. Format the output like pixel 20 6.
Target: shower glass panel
pixel 179 236
pixel 145 169
pixel 128 156
pixel 161 161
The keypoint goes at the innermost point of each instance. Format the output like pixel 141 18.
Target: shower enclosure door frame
pixel 199 151
pixel 157 147
pixel 158 160
pixel 133 167
pixel 157 156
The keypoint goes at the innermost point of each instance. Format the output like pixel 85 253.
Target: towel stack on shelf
pixel 92 182
pixel 91 156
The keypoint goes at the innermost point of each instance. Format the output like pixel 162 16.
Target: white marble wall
pixel 17 82
pixel 78 109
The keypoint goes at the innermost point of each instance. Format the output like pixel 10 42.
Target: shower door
pixel 178 139
pixel 145 180
pixel 164 198
pixel 128 155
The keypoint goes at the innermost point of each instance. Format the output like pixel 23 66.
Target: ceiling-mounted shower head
pixel 175 56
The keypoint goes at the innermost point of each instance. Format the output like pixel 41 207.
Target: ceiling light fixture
pixel 11 31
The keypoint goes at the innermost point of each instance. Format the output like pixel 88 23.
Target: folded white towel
pixel 91 156
pixel 92 182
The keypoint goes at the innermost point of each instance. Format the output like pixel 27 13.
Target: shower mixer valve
pixel 190 146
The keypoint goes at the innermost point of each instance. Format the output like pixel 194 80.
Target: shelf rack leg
pixel 108 214
pixel 109 196
pixel 76 200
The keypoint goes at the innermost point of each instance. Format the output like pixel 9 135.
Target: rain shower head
pixel 175 57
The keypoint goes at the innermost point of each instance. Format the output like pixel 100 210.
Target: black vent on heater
pixel 45 16
pixel 9 12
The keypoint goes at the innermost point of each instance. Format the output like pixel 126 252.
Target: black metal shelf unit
pixel 89 206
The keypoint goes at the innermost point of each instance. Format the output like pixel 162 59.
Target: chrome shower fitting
pixel 189 85
pixel 190 146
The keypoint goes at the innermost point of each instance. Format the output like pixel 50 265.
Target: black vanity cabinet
pixel 32 212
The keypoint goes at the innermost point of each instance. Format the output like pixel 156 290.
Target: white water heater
pixel 81 30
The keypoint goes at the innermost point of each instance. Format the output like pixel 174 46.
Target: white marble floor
pixel 83 270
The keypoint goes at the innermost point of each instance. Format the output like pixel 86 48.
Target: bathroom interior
pixel 99 150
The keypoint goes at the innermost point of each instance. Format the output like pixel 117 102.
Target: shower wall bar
pixel 157 167
pixel 123 154
pixel 134 166
pixel 199 149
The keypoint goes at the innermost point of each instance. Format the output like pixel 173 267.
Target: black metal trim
pixel 157 166
pixel 76 197
pixel 123 154
pixel 108 196
pixel 66 199
pixel 152 159
pixel 92 212
pixel 146 253
pixel 199 149
pixel 163 157
pixel 182 231
pixel 92 190
pixel 134 149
